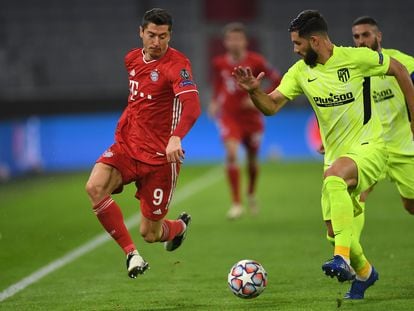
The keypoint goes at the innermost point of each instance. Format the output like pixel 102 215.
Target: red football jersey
pixel 154 108
pixel 230 97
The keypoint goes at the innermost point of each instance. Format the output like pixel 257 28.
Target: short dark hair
pixel 234 27
pixel 365 20
pixel 308 22
pixel 158 17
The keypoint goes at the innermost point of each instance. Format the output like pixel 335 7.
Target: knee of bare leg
pixel 95 192
pixel 92 190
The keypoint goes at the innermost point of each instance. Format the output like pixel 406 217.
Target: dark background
pixel 67 56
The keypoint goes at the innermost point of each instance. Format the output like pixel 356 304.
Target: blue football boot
pixel 339 268
pixel 358 287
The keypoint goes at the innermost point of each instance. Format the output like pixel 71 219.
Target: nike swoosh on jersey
pixel 310 80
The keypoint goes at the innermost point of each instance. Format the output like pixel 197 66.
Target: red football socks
pixel 110 216
pixel 253 171
pixel 233 174
pixel 171 228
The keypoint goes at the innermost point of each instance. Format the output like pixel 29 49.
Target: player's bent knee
pixel 344 168
pixel 90 189
pixel 95 192
pixel 332 171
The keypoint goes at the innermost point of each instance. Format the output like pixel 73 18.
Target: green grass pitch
pixel 44 218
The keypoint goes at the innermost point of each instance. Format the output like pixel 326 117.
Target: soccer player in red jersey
pixel 163 105
pixel 239 121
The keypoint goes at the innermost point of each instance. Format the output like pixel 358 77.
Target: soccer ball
pixel 247 279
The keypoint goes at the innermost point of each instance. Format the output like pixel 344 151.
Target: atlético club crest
pixel 154 75
pixel 343 74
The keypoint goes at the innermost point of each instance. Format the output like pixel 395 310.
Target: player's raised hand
pixel 245 78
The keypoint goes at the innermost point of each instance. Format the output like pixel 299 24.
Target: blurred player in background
pixel 239 121
pixel 334 81
pixel 163 105
pixel 393 111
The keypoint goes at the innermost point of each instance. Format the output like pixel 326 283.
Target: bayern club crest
pixel 154 75
pixel 108 154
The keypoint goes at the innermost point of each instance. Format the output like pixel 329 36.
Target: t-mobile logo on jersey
pixel 133 91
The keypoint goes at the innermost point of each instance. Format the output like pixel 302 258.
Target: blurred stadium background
pixel 62 88
pixel 63 83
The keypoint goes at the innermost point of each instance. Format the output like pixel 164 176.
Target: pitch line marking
pixel 193 187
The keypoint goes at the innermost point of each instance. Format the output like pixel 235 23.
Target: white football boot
pixel 235 212
pixel 135 264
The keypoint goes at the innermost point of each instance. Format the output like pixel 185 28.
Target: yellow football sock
pixel 364 273
pixel 335 191
pixel 358 260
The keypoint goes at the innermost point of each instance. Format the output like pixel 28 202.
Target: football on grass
pixel 247 279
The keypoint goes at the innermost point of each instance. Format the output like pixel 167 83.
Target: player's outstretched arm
pixel 190 113
pixel 268 104
pixel 404 80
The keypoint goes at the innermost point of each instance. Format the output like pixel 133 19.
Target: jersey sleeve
pixel 181 77
pixel 289 86
pixel 191 111
pixel 406 60
pixel 371 63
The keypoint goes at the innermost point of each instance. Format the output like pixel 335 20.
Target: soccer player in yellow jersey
pixel 335 81
pixel 390 104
